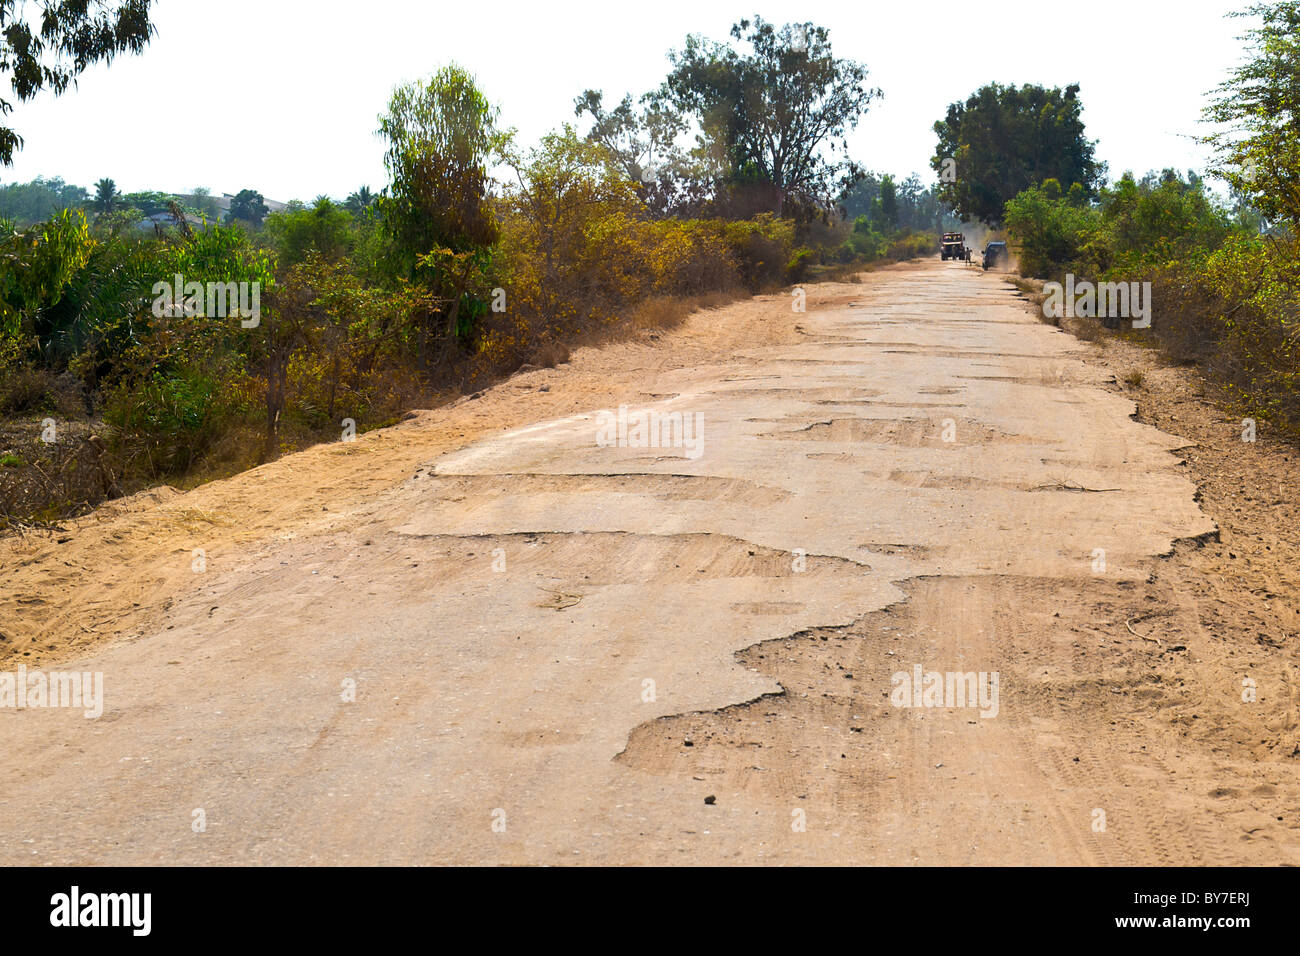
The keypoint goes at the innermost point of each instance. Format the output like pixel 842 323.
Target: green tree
pixel 441 135
pixel 201 201
pixel 888 203
pixel 324 229
pixel 1258 154
pixel 1005 139
pixel 643 144
pixel 1049 233
pixel 247 206
pixel 70 36
pixel 36 267
pixel 771 117
pixel 40 199
pixel 1159 219
pixel 359 201
pixel 569 204
pixel 172 381
pixel 99 312
pixel 919 208
pixel 107 197
pixel 149 202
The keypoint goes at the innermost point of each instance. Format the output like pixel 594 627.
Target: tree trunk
pixel 334 385
pixel 454 314
pixel 277 373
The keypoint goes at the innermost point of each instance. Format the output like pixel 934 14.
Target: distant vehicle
pixel 994 253
pixel 953 247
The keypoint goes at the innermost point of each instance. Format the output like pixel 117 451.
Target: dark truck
pixel 995 253
pixel 953 247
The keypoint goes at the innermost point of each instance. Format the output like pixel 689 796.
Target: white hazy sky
pixel 282 95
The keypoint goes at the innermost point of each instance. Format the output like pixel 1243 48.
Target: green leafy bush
pixel 1049 232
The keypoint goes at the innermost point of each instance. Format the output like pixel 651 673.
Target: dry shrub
pixel 850 272
pixel 712 300
pixel 25 389
pixel 1187 315
pixel 42 483
pixel 761 249
pixel 687 257
pixel 1089 330
pixel 658 312
pixel 591 270
pixel 551 354
pixel 666 312
pixel 236 449
pixel 1236 312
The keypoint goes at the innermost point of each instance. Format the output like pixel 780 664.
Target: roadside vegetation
pixel 480 256
pixel 1224 272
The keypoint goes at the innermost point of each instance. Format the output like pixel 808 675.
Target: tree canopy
pixel 40 199
pixel 247 206
pixel 1006 139
pixel 71 35
pixel 1259 153
pixel 643 144
pixel 442 136
pixel 773 119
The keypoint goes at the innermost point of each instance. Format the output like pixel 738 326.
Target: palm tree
pixel 360 200
pixel 106 196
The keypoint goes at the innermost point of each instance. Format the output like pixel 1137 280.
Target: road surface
pixel 555 643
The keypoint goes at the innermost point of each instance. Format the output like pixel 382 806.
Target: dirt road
pixel 512 632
